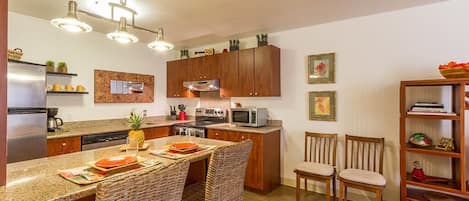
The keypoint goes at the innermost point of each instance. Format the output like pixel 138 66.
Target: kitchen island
pixel 38 179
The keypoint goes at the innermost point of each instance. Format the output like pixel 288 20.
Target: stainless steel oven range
pixel 203 118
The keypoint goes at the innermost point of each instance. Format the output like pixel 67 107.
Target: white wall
pixel 373 54
pixel 83 53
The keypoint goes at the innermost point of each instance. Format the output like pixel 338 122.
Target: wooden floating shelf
pixel 67 92
pixel 456 117
pixel 62 74
pixel 432 151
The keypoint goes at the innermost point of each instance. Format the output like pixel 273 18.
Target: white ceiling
pixel 189 23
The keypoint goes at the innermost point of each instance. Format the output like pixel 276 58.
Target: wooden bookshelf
pixel 447 117
pixel 432 151
pixel 458 159
pixel 419 194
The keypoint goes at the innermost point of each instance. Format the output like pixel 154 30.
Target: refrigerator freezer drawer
pixel 26 136
pixel 26 85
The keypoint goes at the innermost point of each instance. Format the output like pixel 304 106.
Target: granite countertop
pixel 260 130
pixel 38 180
pixel 73 129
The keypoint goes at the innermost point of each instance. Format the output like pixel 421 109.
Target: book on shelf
pixel 432 113
pixel 428 104
pixel 424 109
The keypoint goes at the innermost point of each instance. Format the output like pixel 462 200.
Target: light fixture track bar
pixel 111 20
pixel 123 7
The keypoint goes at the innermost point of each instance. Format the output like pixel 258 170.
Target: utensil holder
pixel 182 116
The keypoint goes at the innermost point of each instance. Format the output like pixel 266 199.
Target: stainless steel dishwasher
pixel 96 141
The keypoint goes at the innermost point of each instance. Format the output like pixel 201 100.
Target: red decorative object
pixel 182 116
pixel 417 172
pixel 419 175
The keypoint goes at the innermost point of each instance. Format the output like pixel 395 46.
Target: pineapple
pixel 135 121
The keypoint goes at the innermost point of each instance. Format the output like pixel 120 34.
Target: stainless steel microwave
pixel 249 116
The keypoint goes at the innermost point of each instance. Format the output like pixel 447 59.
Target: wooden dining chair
pixel 363 166
pixel 319 163
pixel 225 176
pixel 150 184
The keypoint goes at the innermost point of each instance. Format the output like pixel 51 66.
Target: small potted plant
pixel 50 66
pixel 135 121
pixel 62 67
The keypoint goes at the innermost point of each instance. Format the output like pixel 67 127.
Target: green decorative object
pixel 50 66
pixel 62 67
pixel 420 139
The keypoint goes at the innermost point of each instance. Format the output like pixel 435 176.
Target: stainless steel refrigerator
pixel 27 114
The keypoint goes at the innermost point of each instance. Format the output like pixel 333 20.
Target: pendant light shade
pixel 122 35
pixel 71 22
pixel 159 44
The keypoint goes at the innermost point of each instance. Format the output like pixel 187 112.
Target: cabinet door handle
pixel 200 77
pixel 205 76
pixel 255 94
pixel 64 144
pixel 250 94
pixel 216 134
pixel 242 137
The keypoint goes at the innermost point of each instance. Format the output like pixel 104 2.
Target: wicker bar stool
pixel 155 184
pixel 225 177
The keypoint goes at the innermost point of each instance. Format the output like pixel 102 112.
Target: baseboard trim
pixel 319 187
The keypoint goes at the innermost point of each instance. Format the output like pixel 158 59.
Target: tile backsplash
pixel 212 99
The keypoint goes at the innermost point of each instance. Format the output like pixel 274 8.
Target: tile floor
pixel 283 193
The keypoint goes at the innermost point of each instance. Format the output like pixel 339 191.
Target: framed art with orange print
pixel 321 68
pixel 322 105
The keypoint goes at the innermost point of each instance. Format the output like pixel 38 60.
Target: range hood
pixel 204 85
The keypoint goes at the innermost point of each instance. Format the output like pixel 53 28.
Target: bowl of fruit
pixel 454 70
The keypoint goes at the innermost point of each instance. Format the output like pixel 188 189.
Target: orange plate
pixel 116 161
pixel 183 146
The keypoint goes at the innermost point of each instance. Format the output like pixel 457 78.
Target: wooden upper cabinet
pixel 267 71
pixel 228 74
pixel 195 68
pixel 176 73
pixel 259 70
pixel 211 68
pixel 246 73
pixel 203 68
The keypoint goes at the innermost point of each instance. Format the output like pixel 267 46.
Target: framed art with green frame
pixel 321 68
pixel 322 105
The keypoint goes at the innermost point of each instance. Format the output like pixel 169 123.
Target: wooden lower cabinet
pixel 63 145
pixel 156 132
pixel 263 169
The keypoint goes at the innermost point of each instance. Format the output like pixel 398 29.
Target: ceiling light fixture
pixel 71 22
pixel 159 44
pixel 122 35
